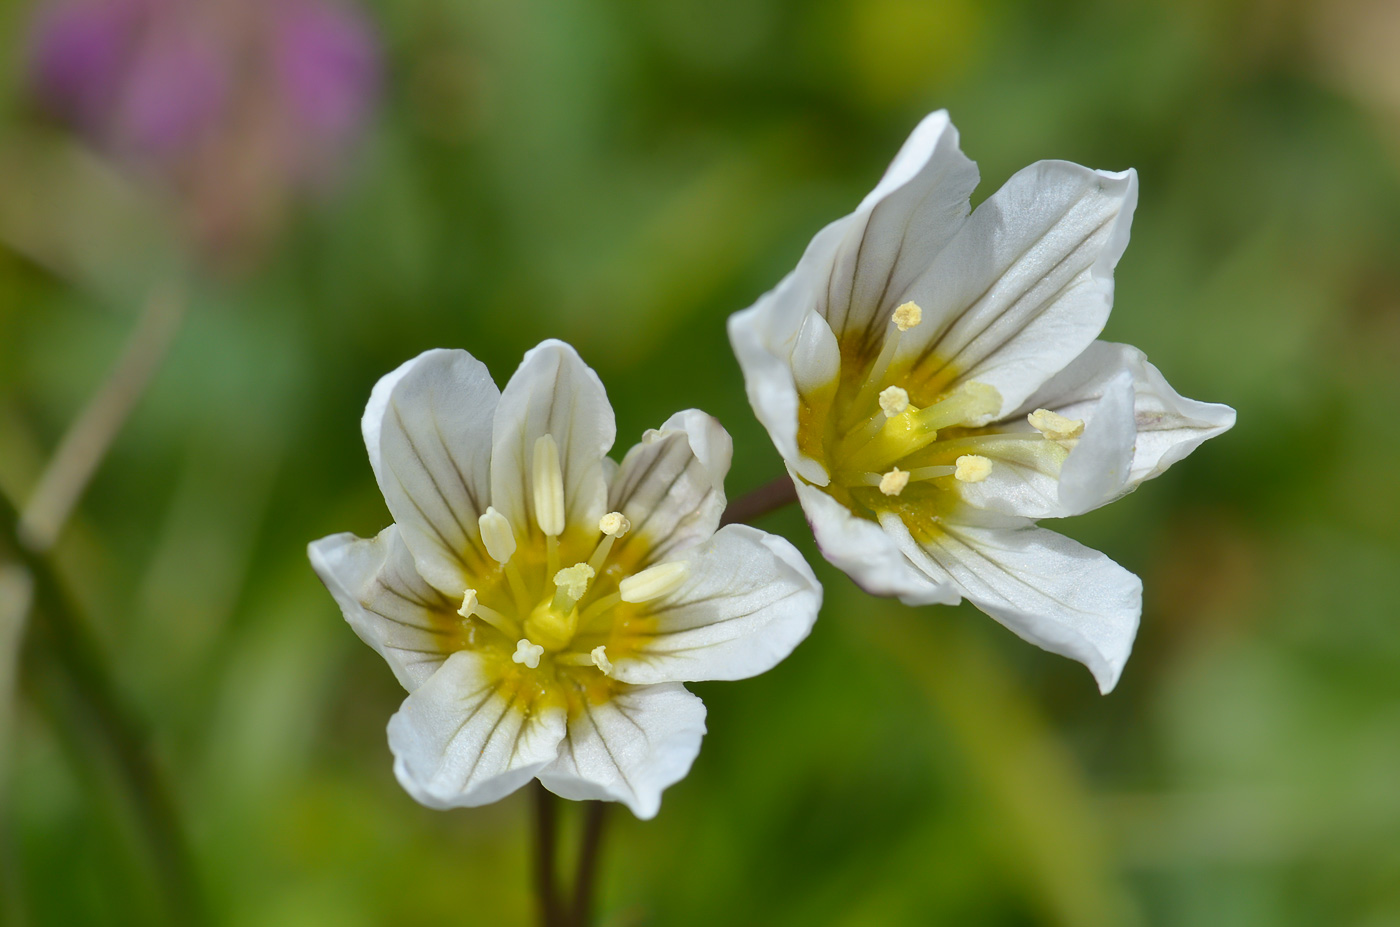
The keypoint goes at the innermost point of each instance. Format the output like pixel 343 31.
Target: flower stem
pixel 759 502
pixel 546 887
pixel 597 816
pixel 86 443
pixel 63 634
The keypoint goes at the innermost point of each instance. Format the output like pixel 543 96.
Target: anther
pixel 600 659
pixel 527 653
pixel 497 535
pixel 613 525
pixel 907 316
pixel 548 487
pixel 1054 425
pixel 468 604
pixel 893 483
pixel 894 400
pixel 653 582
pixel 972 468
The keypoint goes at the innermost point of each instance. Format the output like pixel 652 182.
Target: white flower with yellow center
pixel 543 604
pixel 932 380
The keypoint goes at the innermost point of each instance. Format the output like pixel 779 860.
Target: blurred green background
pixel 624 175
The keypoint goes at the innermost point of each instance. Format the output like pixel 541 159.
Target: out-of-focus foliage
pixel 624 175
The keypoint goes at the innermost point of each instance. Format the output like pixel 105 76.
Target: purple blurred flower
pixel 235 103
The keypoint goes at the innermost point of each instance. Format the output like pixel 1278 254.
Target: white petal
pixel 764 338
pixel 671 492
pixel 1027 282
pixel 428 431
pixel 386 602
pixel 1168 425
pixel 1053 592
pixel 553 392
pixel 914 211
pixel 1097 469
pixel 860 549
pixel 465 738
pixel 749 599
pixel 629 748
pixel 816 358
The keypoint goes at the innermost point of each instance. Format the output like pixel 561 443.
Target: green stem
pixel 594 821
pixel 546 852
pixel 66 637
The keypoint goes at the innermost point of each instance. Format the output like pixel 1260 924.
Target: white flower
pixel 543 604
pixel 932 380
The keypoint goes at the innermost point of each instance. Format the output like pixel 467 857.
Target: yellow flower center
pixel 899 434
pixel 556 608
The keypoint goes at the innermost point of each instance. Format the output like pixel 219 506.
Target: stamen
pixel 1055 426
pixel 497 535
pixel 973 468
pixel 653 582
pixel 472 608
pixel 613 525
pixel 905 317
pixel 970 405
pixel 893 483
pixel 570 585
pixel 468 603
pixel 600 659
pixel 894 400
pixel 597 607
pixel 527 653
pixel 548 487
pixel 930 473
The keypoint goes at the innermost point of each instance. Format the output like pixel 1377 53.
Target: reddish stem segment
pixel 759 502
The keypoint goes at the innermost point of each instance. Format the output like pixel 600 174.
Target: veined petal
pixel 1027 282
pixel 860 549
pixel 386 602
pixel 672 495
pixel 1097 469
pixel 553 392
pixel 1054 592
pixel 629 748
pixel 913 212
pixel 1168 425
pixel 470 735
pixel 428 432
pixel 748 600
pixel 1037 478
pixel 765 337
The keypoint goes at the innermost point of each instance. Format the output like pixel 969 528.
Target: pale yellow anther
pixel 614 524
pixel 893 483
pixel 548 487
pixel 972 468
pixel 496 535
pixel 1054 425
pixel 468 604
pixel 600 659
pixel 653 582
pixel 894 400
pixel 527 653
pixel 573 581
pixel 907 316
